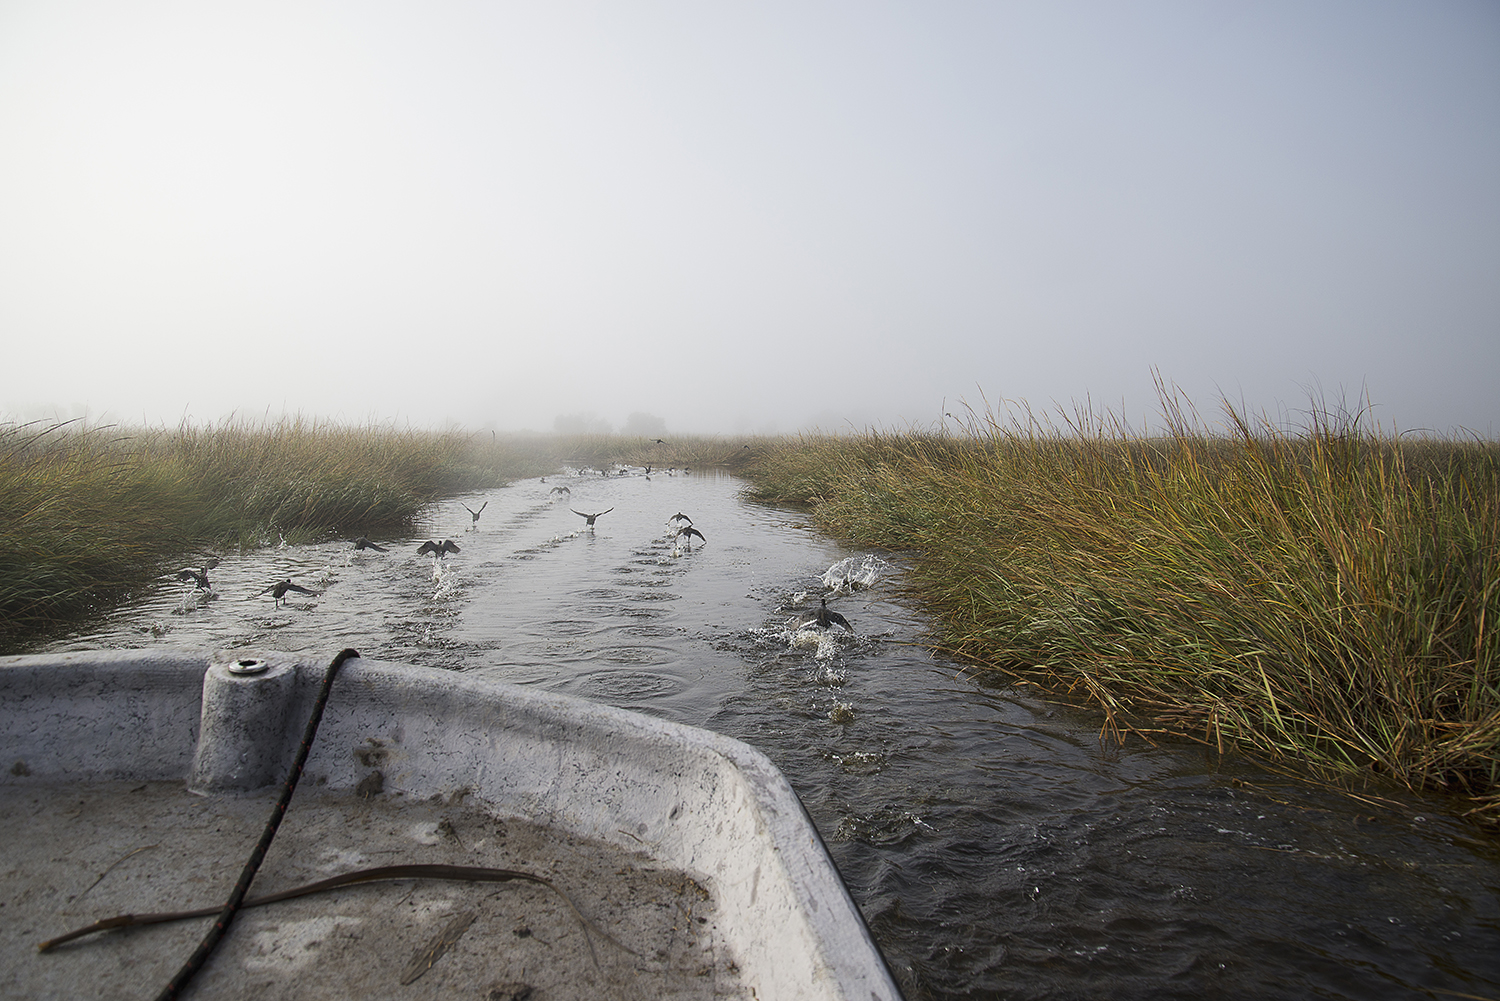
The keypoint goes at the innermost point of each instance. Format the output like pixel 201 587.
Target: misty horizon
pixel 758 220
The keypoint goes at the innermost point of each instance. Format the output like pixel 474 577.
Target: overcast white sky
pixel 755 216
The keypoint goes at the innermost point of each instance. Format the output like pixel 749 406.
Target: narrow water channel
pixel 995 846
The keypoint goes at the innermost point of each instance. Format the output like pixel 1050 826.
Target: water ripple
pixel 629 686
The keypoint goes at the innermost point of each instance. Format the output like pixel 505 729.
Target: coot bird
pixel 438 549
pixel 475 513
pixel 590 517
pixel 828 618
pixel 201 577
pixel 197 575
pixel 364 543
pixel 690 531
pixel 280 588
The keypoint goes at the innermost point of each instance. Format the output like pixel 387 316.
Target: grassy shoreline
pixel 1328 597
pixel 90 515
pixel 87 515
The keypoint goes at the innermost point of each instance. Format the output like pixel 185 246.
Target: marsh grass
pixel 89 514
pixel 1327 595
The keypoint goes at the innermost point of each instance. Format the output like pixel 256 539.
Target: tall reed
pixel 1329 595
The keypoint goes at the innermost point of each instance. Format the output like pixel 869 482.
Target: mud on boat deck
pixel 76 853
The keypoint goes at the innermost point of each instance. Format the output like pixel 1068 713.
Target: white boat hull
pixel 706 805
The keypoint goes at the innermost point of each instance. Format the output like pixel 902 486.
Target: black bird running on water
pixel 827 618
pixel 690 531
pixel 679 516
pixel 364 543
pixel 590 517
pixel 201 576
pixel 438 549
pixel 476 513
pixel 561 490
pixel 280 588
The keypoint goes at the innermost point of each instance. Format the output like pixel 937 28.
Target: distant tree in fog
pixel 644 425
pixel 584 423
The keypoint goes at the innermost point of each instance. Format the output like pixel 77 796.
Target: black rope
pixel 454 872
pixel 424 871
pixel 221 924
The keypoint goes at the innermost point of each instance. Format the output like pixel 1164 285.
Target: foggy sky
pixel 744 217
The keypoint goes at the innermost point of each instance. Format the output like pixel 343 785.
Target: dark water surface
pixel 996 848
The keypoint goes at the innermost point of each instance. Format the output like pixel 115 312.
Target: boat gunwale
pixel 626 778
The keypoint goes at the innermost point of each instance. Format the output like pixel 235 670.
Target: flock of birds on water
pixel 825 618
